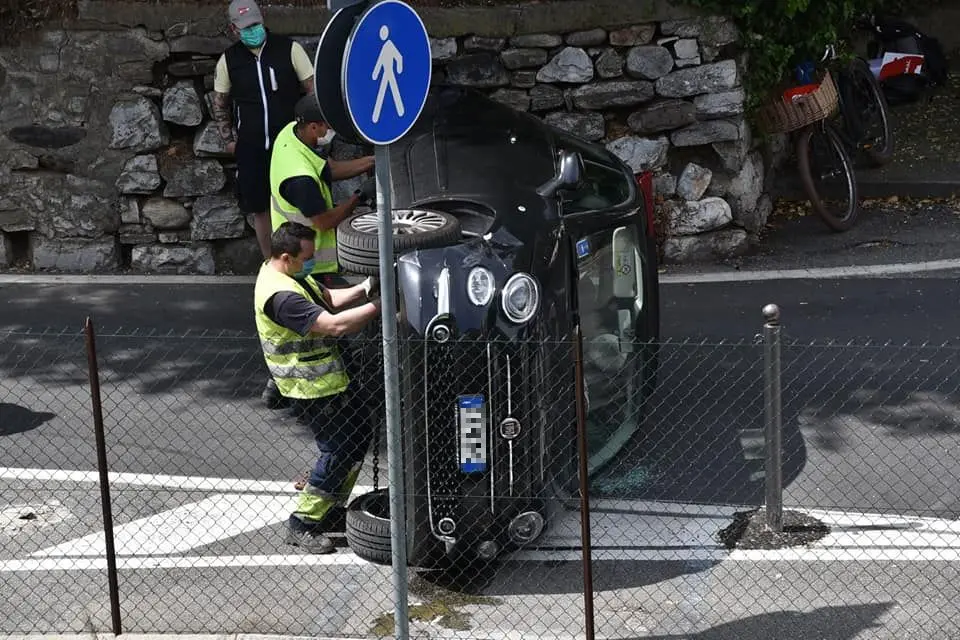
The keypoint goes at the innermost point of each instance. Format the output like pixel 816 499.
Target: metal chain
pixel 376 459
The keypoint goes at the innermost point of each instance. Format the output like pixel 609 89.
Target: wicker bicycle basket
pixel 782 115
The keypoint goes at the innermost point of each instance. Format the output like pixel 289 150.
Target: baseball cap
pixel 307 110
pixel 244 13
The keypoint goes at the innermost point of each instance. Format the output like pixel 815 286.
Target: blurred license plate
pixel 471 418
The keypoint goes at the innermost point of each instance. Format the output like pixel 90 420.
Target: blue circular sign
pixel 386 71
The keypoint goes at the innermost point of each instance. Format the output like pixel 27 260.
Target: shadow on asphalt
pixel 703 438
pixel 836 623
pixel 16 419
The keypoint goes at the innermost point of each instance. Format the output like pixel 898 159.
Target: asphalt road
pixel 866 429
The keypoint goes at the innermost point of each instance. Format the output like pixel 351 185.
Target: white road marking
pixel 186 527
pixel 820 273
pixel 233 485
pixel 623 530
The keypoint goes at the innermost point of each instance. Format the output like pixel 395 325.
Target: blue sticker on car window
pixel 583 248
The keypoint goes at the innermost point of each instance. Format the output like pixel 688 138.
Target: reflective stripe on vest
pixel 292 158
pixel 304 367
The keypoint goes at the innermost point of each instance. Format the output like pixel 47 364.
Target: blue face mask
pixel 253 36
pixel 306 270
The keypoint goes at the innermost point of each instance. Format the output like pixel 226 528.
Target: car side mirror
pixel 568 175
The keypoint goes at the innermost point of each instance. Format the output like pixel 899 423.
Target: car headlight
pixel 521 297
pixel 480 286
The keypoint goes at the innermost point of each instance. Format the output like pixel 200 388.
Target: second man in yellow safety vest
pixel 301 182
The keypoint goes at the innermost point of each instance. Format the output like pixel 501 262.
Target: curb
pixel 170 636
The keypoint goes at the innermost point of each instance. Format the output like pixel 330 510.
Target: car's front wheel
pixel 358 244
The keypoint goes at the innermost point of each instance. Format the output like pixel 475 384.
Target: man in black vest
pixel 265 74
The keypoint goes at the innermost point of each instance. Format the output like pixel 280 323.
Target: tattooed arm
pixel 221 104
pixel 221 115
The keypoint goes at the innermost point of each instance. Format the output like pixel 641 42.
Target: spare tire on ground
pixel 358 246
pixel 368 527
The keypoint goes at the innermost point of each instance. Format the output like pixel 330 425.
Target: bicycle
pixel 825 149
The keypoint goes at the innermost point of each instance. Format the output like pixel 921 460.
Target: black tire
pixel 368 527
pixel 827 141
pixel 865 95
pixel 358 250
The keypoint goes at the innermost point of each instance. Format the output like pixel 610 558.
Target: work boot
pixel 271 396
pixel 312 536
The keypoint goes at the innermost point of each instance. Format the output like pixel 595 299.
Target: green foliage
pixel 778 34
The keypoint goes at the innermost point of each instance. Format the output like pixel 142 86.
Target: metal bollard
pixel 773 428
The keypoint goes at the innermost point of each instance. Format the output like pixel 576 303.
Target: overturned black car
pixel 507 232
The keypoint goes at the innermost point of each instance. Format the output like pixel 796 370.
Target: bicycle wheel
pixel 827 175
pixel 866 113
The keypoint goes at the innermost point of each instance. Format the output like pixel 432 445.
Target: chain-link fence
pixel 224 521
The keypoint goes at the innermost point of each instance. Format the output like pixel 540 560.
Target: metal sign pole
pixel 388 300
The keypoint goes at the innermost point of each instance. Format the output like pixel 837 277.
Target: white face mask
pixel 327 138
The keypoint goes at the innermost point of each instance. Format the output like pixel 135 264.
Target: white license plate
pixel 472 421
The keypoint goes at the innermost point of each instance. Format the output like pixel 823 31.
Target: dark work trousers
pixel 342 428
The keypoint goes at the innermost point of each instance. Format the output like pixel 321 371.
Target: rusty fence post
pixel 584 491
pixel 94 373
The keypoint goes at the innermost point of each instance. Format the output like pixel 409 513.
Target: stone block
pixel 130 211
pixel 545 40
pixel 693 217
pixel 164 214
pixel 208 143
pixel 612 93
pixel 634 36
pixel 481 70
pixel 609 64
pixel 649 62
pixel 135 124
pixel 79 255
pixel 239 257
pixel 442 49
pixel 174 259
pixel 571 65
pixel 665 184
pixel 216 218
pixel 641 154
pixel 523 79
pixel 140 175
pixel 708 78
pixel 516 98
pixel 746 188
pixel 720 105
pixel 136 234
pixel 544 97
pixel 210 46
pixel 589 126
pixel 664 115
pixel 708 132
pixel 693 182
pixel 192 177
pixel 686 48
pixel 705 247
pixel 182 105
pixel 483 43
pixel 523 58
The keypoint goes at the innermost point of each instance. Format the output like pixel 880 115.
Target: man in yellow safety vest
pixel 298 321
pixel 301 181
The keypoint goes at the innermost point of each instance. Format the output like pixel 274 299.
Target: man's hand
pixel 231 148
pixel 367 191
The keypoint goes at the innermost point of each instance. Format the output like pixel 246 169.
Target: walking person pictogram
pixel 389 58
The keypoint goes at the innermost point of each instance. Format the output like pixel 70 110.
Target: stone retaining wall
pixel 109 159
